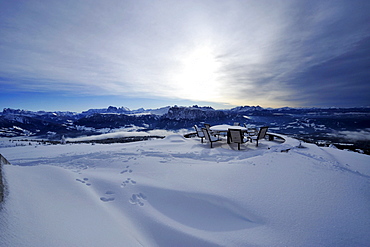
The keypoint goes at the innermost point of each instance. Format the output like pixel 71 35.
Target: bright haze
pixel 76 55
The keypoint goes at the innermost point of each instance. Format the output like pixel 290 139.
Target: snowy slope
pixel 179 192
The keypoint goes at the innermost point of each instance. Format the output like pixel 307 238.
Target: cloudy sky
pixel 81 54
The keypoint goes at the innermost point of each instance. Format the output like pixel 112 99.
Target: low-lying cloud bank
pixel 121 133
pixel 360 135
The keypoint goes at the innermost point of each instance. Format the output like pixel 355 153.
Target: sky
pixel 81 54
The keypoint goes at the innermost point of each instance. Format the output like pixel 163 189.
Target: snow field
pixel 179 192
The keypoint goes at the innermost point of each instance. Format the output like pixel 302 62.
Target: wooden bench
pixel 272 136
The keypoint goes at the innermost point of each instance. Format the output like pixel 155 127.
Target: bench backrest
pixel 262 132
pixel 199 131
pixel 236 135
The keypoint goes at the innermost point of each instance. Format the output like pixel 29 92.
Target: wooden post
pixel 3 161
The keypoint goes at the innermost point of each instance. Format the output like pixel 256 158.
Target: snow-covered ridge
pixel 26 113
pixel 192 113
pixel 110 109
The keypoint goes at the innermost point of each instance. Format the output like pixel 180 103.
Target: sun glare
pixel 197 78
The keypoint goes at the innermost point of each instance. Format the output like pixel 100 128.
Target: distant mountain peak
pixel 247 108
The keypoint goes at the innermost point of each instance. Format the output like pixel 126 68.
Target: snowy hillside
pixel 180 192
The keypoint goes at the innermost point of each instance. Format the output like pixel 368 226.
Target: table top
pixel 225 127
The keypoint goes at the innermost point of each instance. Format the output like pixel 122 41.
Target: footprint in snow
pixel 84 181
pixel 137 199
pixel 108 199
pixel 105 199
pixel 126 170
pixel 127 181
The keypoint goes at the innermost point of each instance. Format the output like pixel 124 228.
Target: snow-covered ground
pixel 180 192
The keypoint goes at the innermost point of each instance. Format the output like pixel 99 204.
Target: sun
pixel 198 77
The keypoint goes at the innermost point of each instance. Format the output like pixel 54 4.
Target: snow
pixel 180 192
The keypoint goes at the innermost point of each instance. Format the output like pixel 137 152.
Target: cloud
pixel 340 81
pixel 361 135
pixel 236 52
pixel 296 69
pixel 121 133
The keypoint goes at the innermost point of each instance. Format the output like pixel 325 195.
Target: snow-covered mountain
pixel 246 109
pixel 193 113
pixel 160 111
pixel 126 110
pixel 110 109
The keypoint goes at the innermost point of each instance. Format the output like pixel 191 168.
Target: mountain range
pixel 312 124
